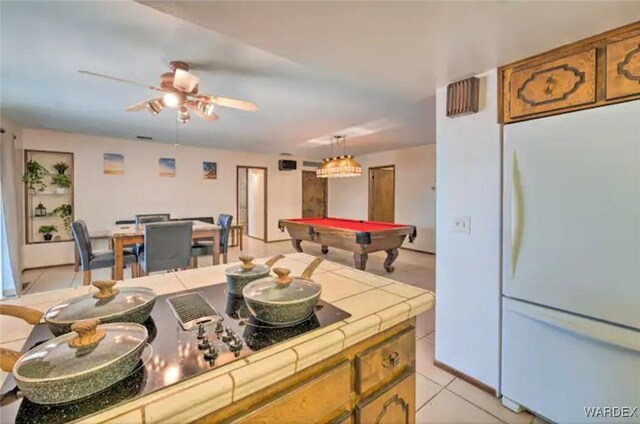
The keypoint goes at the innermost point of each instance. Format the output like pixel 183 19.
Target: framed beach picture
pixel 167 167
pixel 209 170
pixel 113 164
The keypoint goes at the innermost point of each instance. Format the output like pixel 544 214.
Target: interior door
pixel 382 194
pixel 571 237
pixel 314 195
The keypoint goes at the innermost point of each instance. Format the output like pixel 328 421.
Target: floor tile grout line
pixel 473 403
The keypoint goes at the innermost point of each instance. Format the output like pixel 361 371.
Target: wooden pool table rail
pixel 361 243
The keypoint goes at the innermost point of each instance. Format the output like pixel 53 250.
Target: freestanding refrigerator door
pixel 568 368
pixel 571 236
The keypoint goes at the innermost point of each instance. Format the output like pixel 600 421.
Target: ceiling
pixel 406 47
pixel 314 68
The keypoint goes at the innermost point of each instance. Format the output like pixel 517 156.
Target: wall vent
pixel 144 137
pixel 310 164
pixel 463 97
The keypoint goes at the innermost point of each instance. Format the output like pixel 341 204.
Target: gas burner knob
pixel 228 335
pixel 204 343
pixel 211 354
pixel 201 332
pixel 219 328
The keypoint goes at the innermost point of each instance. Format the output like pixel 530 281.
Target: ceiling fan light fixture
pixel 155 106
pixel 183 115
pixel 173 99
pixel 206 108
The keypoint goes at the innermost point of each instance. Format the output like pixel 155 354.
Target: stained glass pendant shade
pixel 339 166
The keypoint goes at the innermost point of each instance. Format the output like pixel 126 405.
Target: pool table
pixel 359 237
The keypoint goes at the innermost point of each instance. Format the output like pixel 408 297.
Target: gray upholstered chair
pixel 167 246
pixel 204 248
pixel 145 218
pixel 90 260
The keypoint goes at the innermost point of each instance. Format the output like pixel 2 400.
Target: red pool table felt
pixel 348 224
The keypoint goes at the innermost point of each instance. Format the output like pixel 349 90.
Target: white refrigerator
pixel 571 265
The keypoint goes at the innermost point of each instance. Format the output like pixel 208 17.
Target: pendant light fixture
pixel 339 166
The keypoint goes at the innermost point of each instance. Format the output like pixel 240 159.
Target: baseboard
pixel 479 384
pixel 46 266
pixel 419 251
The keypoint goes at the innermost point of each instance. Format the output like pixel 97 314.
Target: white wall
pixel 255 204
pixel 102 199
pixel 468 264
pixel 415 198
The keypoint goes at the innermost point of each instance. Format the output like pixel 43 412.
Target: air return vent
pixel 463 97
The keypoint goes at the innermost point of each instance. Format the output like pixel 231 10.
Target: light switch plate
pixel 462 224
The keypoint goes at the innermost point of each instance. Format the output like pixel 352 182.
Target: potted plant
pixel 64 212
pixel 34 176
pixel 47 231
pixel 61 167
pixel 63 181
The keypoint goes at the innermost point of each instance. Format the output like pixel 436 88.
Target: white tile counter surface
pixel 375 303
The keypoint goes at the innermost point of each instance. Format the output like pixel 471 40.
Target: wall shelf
pixel 48 198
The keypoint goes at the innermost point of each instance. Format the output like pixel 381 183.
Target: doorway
pixel 382 193
pixel 314 195
pixel 251 202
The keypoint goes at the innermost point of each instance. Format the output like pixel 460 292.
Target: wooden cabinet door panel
pixel 562 83
pixel 623 68
pixel 313 401
pixel 382 363
pixel 394 405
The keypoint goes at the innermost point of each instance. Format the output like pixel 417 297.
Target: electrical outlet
pixel 462 224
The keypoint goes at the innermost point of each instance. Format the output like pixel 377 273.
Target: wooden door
pixel 314 195
pixel 382 193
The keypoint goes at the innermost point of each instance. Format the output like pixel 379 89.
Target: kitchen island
pixel 360 368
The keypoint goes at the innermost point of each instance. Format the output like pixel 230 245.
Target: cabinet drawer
pixel 383 362
pixel 316 399
pixel 566 82
pixel 623 68
pixel 393 405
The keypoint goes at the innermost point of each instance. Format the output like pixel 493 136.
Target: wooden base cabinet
pixel 370 382
pixel 395 404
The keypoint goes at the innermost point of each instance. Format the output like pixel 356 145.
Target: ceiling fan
pixel 181 91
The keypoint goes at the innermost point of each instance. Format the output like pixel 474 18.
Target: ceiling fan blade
pixel 194 107
pixel 139 106
pixel 232 103
pixel 150 87
pixel 185 81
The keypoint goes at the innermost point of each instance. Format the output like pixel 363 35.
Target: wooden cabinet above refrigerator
pixel 597 71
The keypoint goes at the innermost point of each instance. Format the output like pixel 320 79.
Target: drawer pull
pixel 391 360
pixel 547 88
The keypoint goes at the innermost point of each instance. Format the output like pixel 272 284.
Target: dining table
pixel 132 234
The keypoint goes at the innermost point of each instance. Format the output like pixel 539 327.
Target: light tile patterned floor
pixel 440 397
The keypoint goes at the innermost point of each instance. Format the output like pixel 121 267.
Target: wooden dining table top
pixel 128 230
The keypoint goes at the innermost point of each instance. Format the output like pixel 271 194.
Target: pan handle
pixel 31 316
pixel 311 267
pixel 271 262
pixel 8 359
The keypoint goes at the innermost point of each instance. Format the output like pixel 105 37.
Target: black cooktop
pixel 173 354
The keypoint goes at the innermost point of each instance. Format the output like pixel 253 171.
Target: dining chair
pixel 167 246
pixel 204 248
pixel 145 218
pixel 90 260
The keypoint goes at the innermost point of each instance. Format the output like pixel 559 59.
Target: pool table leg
pixel 360 260
pixel 392 254
pixel 325 250
pixel 296 244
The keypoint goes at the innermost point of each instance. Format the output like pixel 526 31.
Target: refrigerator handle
pixel 517 213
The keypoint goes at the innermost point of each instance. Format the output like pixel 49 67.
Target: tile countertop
pixel 375 304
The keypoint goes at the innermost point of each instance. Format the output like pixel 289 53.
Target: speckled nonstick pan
pixel 76 365
pixel 240 275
